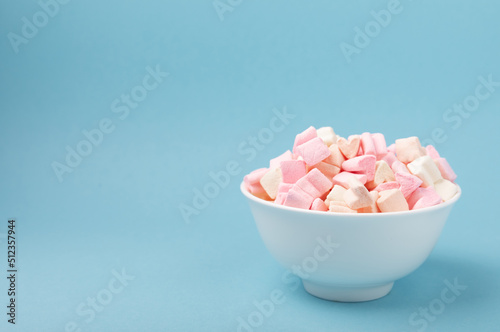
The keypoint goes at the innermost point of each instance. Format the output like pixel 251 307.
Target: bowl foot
pixel 347 294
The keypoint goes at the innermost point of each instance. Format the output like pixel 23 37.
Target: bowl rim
pixel 345 214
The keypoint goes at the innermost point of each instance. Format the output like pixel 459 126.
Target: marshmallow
pixel 373 144
pixel 283 188
pixel 387 186
pixel 409 183
pixel 398 166
pixel 446 189
pixel 252 183
pixel 423 197
pixel 392 148
pixel 293 170
pixel 340 207
pixel 409 149
pixel 303 137
pixel 362 164
pixel 275 162
pixel 271 181
pixel 367 144
pixel 425 168
pixel 357 196
pixel 318 205
pixel 360 151
pixel 315 183
pixel 380 145
pixel 255 176
pixel 298 198
pixel 392 201
pixel 445 169
pixel 280 198
pixel 313 151
pixel 383 173
pixel 338 203
pixel 432 152
pixel 343 177
pixel 327 135
pixel 360 174
pixel 336 194
pixel 390 158
pixel 336 157
pixel 350 147
pixel 373 208
pixel 327 169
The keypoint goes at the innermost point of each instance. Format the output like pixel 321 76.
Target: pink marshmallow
pixel 275 162
pixel 390 158
pixel 409 183
pixel 313 151
pixel 342 179
pixel 283 188
pixel 315 183
pixel 318 205
pixel 252 183
pixel 280 198
pixel 368 145
pixel 387 186
pixel 423 197
pixel 361 152
pixel 398 166
pixel 445 169
pixel 392 148
pixel 303 137
pixel 432 152
pixel 319 180
pixel 293 170
pixel 362 164
pixel 298 198
pixel 255 176
pixel 380 145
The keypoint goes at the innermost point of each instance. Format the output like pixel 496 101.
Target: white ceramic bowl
pixel 348 257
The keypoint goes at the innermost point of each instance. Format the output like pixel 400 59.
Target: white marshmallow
pixel 425 168
pixel 446 189
pixel 271 181
pixel 336 195
pixel 327 135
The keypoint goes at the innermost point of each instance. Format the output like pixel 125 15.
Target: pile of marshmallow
pixel 326 172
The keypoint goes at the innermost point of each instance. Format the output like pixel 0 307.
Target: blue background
pixel 119 208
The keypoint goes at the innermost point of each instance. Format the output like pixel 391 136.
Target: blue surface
pixel 117 211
